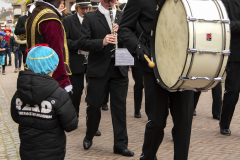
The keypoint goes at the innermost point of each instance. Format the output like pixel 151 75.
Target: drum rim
pixel 152 44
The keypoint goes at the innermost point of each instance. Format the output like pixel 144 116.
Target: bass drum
pixel 190 44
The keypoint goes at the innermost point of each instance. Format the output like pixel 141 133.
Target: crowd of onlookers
pixel 9 46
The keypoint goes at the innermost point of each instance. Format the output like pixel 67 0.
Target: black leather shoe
pixel 87 143
pixel 226 132
pixel 124 152
pixel 216 116
pixel 194 113
pixel 105 107
pixel 144 158
pixel 98 133
pixel 138 115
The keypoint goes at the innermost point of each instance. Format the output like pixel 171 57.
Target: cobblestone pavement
pixel 206 141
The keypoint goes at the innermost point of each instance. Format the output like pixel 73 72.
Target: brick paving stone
pixel 206 141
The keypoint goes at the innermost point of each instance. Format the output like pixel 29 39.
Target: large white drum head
pixel 171 41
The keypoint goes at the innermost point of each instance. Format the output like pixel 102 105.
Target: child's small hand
pixel 12 52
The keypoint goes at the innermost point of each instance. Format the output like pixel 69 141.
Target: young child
pixel 3 51
pixel 7 38
pixel 42 109
pixel 14 49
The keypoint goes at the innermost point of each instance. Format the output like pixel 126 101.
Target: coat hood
pixel 33 88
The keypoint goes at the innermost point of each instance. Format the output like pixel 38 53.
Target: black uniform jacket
pixel 72 27
pixel 233 9
pixel 141 11
pixel 20 29
pixel 43 111
pixel 94 29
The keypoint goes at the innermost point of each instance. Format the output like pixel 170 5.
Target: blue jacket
pixel 3 44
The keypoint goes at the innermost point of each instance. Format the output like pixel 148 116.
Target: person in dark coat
pixel 72 25
pixel 20 29
pixel 42 109
pixel 106 98
pixel 14 49
pixel 138 78
pixel 156 98
pixel 3 51
pixel 232 83
pixel 96 38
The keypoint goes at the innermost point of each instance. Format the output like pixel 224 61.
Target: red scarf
pixel 7 37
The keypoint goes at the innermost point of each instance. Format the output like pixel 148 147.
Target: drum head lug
pixel 171 90
pixel 218 79
pixel 191 50
pixel 183 78
pixel 226 52
pixel 181 90
pixel 191 18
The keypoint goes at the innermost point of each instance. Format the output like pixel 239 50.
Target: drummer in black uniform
pixel 156 98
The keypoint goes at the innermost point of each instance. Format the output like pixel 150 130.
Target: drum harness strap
pixel 145 38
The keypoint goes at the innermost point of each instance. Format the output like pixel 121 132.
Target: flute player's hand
pixel 115 27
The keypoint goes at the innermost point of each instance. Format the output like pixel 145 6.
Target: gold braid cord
pixel 33 29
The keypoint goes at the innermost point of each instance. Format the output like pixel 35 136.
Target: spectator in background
pixel 3 51
pixel 7 38
pixel 14 49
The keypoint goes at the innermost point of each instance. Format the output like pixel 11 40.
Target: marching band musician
pixel 94 5
pixel 96 38
pixel 20 29
pixel 106 98
pixel 138 78
pixel 44 26
pixel 73 25
pixel 156 98
pixel 232 84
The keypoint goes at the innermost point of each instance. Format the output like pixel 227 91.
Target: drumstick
pixel 150 63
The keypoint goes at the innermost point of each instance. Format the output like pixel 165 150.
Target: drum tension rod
pixel 193 19
pixel 224 52
pixel 206 78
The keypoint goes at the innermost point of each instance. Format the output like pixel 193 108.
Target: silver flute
pixel 112 22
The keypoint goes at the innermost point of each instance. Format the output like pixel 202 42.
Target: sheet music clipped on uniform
pixel 123 57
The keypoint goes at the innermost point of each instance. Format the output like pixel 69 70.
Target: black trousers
pixel 231 94
pixel 77 81
pixel 106 97
pixel 156 106
pixel 96 89
pixel 217 99
pixel 138 88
